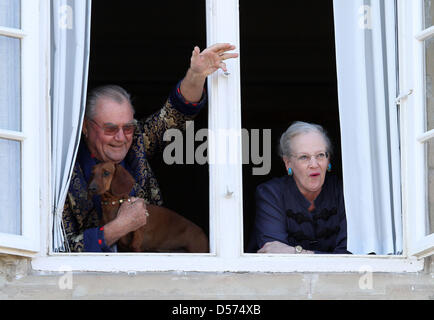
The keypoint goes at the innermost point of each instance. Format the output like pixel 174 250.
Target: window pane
pixel 429 73
pixel 430 154
pixel 10 83
pixel 10 187
pixel 429 13
pixel 10 13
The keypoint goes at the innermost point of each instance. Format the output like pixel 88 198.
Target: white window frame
pixel 413 127
pixel 226 212
pixel 27 244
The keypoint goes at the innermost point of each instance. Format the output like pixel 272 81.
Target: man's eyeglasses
pixel 112 129
pixel 306 158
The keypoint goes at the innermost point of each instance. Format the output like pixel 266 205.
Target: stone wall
pixel 19 281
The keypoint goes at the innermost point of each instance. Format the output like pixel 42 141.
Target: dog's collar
pixel 106 203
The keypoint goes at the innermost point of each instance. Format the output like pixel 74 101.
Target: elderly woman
pixel 110 133
pixel 304 211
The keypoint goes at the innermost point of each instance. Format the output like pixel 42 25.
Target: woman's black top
pixel 282 215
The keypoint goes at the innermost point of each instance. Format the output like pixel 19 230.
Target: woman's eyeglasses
pixel 112 129
pixel 306 158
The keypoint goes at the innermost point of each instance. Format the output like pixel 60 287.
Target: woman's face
pixel 109 114
pixel 308 163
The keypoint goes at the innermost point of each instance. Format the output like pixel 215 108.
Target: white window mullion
pixel 225 128
pixel 11 32
pixel 419 198
pixel 30 123
pixel 11 135
pixel 425 34
pixel 424 137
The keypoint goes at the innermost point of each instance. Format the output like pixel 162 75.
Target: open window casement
pixel 226 189
pixel 19 127
pixel 416 35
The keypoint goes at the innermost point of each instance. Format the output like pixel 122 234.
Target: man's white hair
pixel 114 92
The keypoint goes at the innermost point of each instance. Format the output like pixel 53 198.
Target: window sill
pixel 146 262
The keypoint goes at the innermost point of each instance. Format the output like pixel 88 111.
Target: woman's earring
pixel 290 171
pixel 329 167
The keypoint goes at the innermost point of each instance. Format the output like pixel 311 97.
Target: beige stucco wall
pixel 18 281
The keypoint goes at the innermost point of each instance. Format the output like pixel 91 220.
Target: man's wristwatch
pixel 298 249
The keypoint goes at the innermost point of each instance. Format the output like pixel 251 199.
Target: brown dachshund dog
pixel 164 231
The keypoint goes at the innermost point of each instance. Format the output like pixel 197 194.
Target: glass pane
pixel 10 187
pixel 429 73
pixel 10 83
pixel 430 154
pixel 10 13
pixel 429 13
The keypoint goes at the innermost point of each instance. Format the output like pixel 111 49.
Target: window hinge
pixel 403 96
pixel 228 194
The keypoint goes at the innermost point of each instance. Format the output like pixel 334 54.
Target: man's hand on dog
pixel 131 216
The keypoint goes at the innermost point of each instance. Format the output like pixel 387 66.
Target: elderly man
pixel 110 133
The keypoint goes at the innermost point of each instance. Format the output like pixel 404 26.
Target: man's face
pixel 102 139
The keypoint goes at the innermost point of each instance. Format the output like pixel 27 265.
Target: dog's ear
pixel 122 181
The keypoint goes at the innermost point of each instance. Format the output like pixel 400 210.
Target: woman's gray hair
pixel 297 128
pixel 114 92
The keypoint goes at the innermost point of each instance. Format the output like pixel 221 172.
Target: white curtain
pixel 70 60
pixel 367 87
pixel 10 119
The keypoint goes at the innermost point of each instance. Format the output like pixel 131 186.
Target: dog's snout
pixel 92 188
